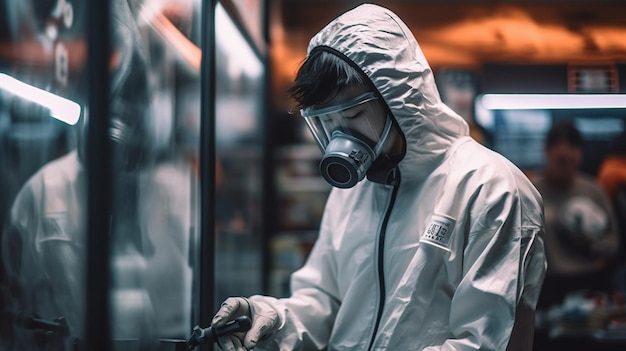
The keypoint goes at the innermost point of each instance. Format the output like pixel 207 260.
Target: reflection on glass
pixel 153 133
pixel 42 181
pixel 239 151
pixel 58 107
pixel 154 130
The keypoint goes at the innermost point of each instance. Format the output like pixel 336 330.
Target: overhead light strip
pixel 551 101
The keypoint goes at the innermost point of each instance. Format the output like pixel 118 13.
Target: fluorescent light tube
pixel 552 101
pixel 60 108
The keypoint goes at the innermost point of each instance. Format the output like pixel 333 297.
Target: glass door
pixel 154 129
pixel 132 173
pixel 43 104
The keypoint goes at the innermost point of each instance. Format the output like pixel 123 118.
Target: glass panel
pixel 155 124
pixel 154 133
pixel 239 151
pixel 42 181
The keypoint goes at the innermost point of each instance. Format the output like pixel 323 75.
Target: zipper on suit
pixel 380 263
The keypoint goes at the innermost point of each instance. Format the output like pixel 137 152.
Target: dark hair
pixel 564 130
pixel 321 76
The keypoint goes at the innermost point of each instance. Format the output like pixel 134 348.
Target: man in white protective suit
pixel 429 241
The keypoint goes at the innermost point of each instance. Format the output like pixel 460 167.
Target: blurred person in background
pixel 429 241
pixel 581 238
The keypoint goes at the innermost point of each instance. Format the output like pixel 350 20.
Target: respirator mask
pixel 352 134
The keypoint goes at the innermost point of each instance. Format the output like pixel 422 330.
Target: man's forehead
pixel 347 93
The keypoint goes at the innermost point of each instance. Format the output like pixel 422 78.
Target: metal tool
pixel 210 334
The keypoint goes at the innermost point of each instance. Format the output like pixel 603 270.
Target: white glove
pixel 264 322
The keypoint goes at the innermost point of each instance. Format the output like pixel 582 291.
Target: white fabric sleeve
pixel 497 258
pixel 307 316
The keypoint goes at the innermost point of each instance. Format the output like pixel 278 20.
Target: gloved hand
pixel 264 323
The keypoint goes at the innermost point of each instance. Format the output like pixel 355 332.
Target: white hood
pixel 388 53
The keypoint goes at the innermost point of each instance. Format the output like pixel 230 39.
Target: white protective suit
pixel 451 257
